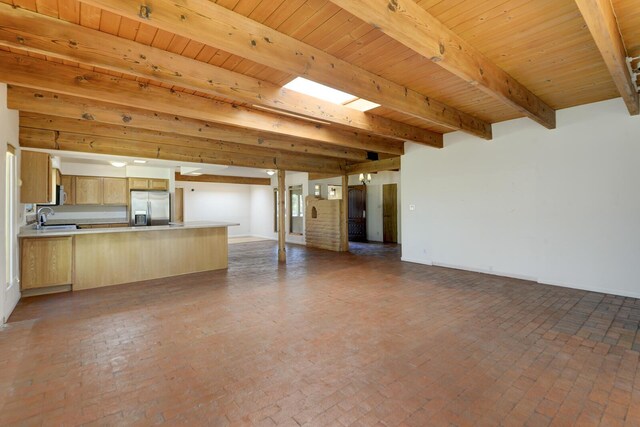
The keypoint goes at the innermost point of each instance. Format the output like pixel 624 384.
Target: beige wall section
pixel 323 231
pixel 114 258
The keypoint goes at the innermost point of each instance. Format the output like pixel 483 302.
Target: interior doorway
pixel 358 213
pixel 296 202
pixel 390 213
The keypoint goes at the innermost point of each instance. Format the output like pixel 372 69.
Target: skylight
pixel 326 93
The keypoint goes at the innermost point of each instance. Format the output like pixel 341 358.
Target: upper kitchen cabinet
pixel 115 191
pixel 69 184
pixel 88 190
pixel 94 190
pixel 148 184
pixel 158 184
pixel 37 176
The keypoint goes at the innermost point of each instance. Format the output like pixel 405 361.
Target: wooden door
pixel 114 191
pixel 69 184
pixel 179 204
pixel 357 213
pixel 390 213
pixel 88 190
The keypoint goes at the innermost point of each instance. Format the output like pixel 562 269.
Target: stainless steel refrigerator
pixel 150 208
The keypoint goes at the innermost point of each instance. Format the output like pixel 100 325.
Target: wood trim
pixel 282 248
pixel 11 149
pixel 603 25
pixel 52 140
pixel 52 105
pixel 51 76
pixel 222 179
pixel 414 27
pixel 215 25
pixel 392 163
pixel 37 33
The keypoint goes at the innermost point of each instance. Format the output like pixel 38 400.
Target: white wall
pixel 205 201
pixel 558 206
pixel 262 208
pixel 8 135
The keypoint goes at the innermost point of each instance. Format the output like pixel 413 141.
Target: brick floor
pixel 330 339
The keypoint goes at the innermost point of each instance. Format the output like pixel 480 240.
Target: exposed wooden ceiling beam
pixel 67 141
pixel 46 106
pixel 33 32
pixel 223 179
pixel 84 127
pixel 392 163
pixel 603 25
pixel 46 75
pixel 214 25
pixel 414 27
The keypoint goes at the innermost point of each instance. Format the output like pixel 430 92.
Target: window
pixel 326 93
pixel 297 207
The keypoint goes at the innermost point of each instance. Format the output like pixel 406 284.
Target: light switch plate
pixel 412 207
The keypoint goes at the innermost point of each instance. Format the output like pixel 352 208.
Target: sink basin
pixel 59 227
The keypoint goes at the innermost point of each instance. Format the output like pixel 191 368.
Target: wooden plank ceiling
pixel 544 45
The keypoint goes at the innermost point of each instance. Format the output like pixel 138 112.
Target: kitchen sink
pixel 59 227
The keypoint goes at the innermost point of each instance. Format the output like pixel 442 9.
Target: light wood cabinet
pixel 138 184
pixel 88 190
pixel 114 191
pixel 46 261
pixel 158 184
pixel 69 184
pixel 36 174
pixel 148 184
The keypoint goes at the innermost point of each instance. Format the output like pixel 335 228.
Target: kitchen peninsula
pixel 58 260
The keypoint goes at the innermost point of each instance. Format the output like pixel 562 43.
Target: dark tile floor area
pixel 331 339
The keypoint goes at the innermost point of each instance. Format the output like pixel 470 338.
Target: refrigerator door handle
pixel 149 217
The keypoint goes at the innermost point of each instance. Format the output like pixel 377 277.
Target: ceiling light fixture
pixel 118 164
pixel 271 172
pixel 195 174
pixel 140 161
pixel 365 180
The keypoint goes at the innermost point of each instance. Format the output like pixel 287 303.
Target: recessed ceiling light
pixel 140 161
pixel 318 90
pixel 118 164
pixel 271 172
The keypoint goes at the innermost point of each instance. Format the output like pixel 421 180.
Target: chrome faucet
pixel 42 216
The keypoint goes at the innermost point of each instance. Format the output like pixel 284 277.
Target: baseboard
pixel 622 293
pixel 415 261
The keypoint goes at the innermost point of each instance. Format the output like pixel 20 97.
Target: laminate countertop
pixel 32 232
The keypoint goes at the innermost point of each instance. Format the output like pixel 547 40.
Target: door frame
pixel 11 279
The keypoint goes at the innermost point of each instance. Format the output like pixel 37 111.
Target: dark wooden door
pixel 357 213
pixel 390 213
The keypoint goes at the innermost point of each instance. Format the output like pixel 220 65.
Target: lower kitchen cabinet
pixel 46 261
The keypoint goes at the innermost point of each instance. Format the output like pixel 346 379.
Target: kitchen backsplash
pixel 89 212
